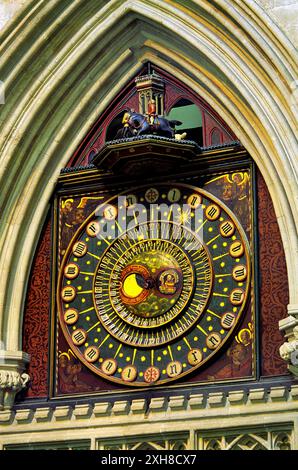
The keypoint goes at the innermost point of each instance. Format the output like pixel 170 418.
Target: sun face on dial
pixel 153 284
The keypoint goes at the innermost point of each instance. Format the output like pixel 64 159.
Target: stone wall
pixel 283 12
pixel 8 9
pixel 251 419
pixel 285 15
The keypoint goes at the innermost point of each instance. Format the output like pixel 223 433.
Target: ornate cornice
pixel 12 376
pixel 289 349
pixel 248 78
pixel 254 401
pixel 200 150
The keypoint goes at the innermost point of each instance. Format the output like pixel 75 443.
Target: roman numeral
pixel 91 354
pixel 92 229
pixel 71 270
pixel 236 249
pixel 79 337
pixel 227 229
pixel 228 320
pixel 213 340
pixel 71 316
pixel 237 296
pixel 194 356
pixel 109 366
pixel 79 249
pixel 212 212
pixel 239 273
pixel 68 293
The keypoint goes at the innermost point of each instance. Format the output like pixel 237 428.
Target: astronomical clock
pixel 154 283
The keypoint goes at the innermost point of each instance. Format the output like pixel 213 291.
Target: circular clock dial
pixel 150 282
pixel 153 284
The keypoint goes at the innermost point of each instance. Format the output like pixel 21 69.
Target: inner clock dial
pixel 150 282
pixel 161 280
pixel 155 281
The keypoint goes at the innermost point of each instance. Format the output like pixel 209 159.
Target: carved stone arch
pixel 244 69
pixel 248 442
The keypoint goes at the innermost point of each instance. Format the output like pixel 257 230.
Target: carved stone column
pixel 12 376
pixel 289 350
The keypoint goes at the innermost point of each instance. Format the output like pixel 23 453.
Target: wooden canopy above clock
pixel 138 155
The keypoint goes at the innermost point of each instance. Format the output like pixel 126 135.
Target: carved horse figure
pixel 136 124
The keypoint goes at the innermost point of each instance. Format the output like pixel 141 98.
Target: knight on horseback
pixel 136 124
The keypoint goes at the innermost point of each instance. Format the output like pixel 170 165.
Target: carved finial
pixel 11 382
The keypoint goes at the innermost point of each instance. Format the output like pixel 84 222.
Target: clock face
pixel 153 284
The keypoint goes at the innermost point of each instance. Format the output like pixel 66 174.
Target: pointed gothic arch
pixel 80 57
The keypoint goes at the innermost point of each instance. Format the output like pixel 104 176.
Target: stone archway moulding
pixel 63 62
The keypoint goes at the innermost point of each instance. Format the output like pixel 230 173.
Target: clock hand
pixel 145 283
